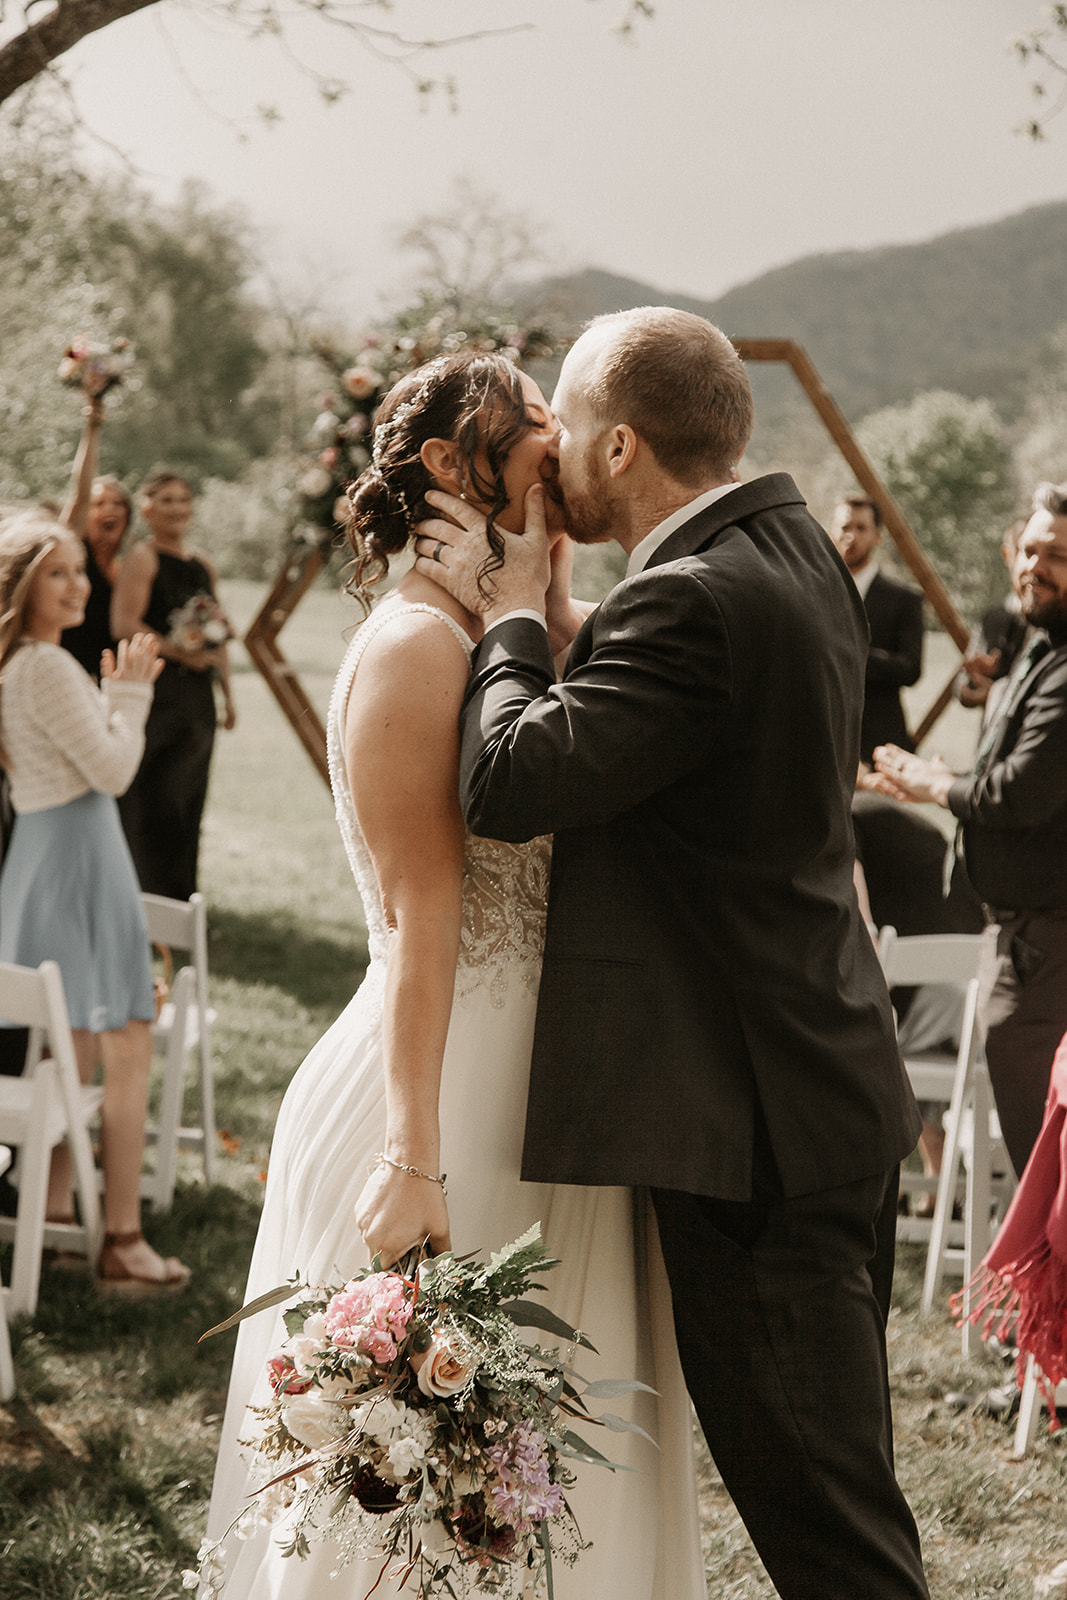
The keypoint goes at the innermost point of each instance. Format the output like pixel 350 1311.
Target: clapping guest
pixel 98 510
pixel 1011 813
pixel 160 588
pixel 68 892
pixel 996 645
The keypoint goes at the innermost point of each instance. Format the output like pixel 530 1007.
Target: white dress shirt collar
pixel 865 577
pixel 640 553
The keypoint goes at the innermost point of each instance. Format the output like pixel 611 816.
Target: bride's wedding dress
pixel 643 1523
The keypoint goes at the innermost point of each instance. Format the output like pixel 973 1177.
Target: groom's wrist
pixel 498 615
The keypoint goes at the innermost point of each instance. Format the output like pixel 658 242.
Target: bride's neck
pixel 416 589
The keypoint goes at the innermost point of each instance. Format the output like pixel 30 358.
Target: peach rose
pixel 443 1369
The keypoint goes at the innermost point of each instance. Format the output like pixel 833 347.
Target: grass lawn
pixel 106 1455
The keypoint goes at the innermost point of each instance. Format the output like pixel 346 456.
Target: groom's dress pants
pixel 780 1309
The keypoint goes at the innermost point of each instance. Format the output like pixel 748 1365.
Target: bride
pixel 425 1071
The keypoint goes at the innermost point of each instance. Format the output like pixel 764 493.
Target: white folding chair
pixel 182 1029
pixel 1030 1402
pixel 914 961
pixel 972 1131
pixel 38 1111
pixel 7 1366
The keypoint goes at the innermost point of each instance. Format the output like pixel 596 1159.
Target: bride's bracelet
pixel 382 1160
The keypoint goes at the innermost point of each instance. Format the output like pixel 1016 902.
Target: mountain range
pixel 968 310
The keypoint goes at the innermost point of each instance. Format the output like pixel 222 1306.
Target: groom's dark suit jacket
pixel 705 954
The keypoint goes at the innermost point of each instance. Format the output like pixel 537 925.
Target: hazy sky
pixel 731 137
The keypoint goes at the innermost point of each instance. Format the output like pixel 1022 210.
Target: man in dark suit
pixel 1012 812
pixel 712 1020
pixel 895 618
pixel 995 647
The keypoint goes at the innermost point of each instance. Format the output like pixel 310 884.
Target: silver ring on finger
pixel 438 547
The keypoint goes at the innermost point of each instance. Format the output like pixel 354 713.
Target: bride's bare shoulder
pixel 415 662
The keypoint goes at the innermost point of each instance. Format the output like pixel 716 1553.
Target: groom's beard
pixel 592 517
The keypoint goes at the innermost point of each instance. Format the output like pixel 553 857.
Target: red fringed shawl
pixel 1023 1278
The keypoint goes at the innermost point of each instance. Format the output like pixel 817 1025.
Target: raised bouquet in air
pixel 413 1424
pixel 96 368
pixel 200 624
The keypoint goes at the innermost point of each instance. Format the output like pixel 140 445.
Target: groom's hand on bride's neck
pixel 453 554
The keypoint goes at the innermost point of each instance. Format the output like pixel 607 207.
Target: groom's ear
pixel 440 457
pixel 622 444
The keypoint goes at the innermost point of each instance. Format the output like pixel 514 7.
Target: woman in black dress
pixel 159 589
pixel 98 509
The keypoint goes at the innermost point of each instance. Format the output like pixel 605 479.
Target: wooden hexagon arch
pixel 302 567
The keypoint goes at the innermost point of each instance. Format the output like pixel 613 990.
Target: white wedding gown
pixel 611 1283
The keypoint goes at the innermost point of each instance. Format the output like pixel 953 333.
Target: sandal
pixel 114 1276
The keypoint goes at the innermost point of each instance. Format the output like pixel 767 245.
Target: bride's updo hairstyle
pixel 472 399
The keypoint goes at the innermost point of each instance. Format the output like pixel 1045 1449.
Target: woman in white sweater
pixel 68 891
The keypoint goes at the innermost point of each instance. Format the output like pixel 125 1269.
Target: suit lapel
pixel 762 494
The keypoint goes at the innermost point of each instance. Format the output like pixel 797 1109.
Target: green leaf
pixel 609 1388
pixel 263 1302
pixel 620 1425
pixel 528 1314
pixel 544 1539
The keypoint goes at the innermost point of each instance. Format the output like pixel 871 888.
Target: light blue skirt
pixel 68 893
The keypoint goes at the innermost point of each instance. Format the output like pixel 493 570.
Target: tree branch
pixel 30 53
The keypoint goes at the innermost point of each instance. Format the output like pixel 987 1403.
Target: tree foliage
pixel 947 462
pixel 99 257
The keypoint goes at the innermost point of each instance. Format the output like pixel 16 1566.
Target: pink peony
pixel 370 1315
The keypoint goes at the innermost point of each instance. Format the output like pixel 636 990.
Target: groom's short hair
pixel 679 383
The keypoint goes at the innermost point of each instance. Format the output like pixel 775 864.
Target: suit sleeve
pixel 1029 786
pixel 899 663
pixel 639 712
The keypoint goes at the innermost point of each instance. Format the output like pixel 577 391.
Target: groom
pixel 712 1020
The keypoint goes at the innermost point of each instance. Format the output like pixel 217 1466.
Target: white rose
pixel 443 1369
pixel 314 1420
pixel 335 1388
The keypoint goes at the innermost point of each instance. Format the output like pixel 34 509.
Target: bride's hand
pixel 397 1212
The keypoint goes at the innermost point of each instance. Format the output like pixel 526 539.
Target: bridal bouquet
pixel 200 624
pixel 412 1424
pixel 96 368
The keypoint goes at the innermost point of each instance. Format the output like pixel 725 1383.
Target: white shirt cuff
pixel 509 616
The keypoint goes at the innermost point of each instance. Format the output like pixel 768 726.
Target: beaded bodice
pixel 504 885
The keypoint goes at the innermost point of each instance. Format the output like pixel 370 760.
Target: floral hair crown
pixel 385 432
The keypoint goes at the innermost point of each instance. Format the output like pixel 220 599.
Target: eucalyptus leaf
pixel 528 1314
pixel 263 1302
pixel 609 1388
pixel 620 1425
